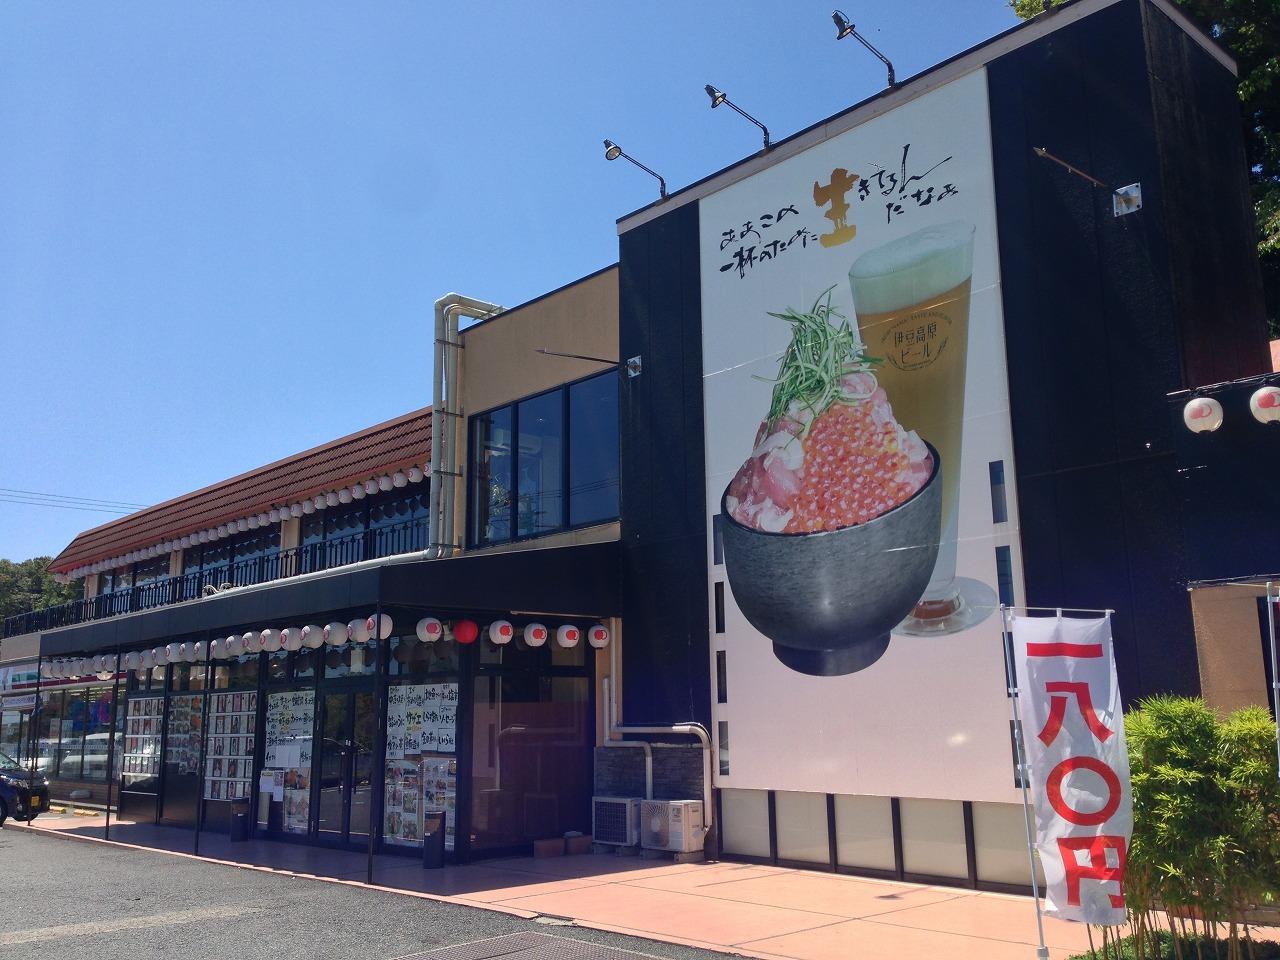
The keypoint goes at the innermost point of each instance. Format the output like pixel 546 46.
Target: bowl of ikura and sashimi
pixel 831 526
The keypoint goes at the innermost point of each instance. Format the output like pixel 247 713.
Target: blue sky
pixel 223 225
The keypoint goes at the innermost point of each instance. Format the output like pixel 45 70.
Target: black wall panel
pixel 666 647
pixel 1093 339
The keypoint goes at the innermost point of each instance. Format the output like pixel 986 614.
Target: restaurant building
pixel 763 486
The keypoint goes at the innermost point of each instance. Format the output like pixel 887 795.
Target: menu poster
pixel 402 803
pixel 229 759
pixel 142 738
pixel 421 718
pixel 183 747
pixel 440 792
pixel 290 724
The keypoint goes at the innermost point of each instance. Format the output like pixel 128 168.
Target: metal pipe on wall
pixel 444 416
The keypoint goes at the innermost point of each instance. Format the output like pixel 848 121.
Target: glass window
pixel 149 571
pixel 97 731
pixel 745 822
pixel 864 832
pixel 540 465
pixel 49 723
pixel 593 450
pixel 491 477
pixel 411 657
pixel 802 826
pixel 933 841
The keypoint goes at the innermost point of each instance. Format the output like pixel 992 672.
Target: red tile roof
pixel 383 448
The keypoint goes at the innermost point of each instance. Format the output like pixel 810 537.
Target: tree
pixel 28 585
pixel 1250 29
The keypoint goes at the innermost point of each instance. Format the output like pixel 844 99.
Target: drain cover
pixel 527 946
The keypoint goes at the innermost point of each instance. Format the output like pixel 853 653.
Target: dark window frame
pixel 473 540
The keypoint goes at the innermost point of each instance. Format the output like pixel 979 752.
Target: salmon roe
pixel 854 470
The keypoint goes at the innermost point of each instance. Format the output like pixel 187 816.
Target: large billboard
pixel 859 458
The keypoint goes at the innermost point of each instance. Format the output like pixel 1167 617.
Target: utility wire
pixel 67 506
pixel 63 496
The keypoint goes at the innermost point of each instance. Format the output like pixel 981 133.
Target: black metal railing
pixel 408 536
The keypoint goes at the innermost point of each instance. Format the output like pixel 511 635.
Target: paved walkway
pixel 768 912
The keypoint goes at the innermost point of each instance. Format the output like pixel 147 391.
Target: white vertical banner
pixel 1073 732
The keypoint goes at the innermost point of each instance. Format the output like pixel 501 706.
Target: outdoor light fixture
pixel 1265 404
pixel 612 152
pixel 846 29
pixel 718 97
pixel 1202 415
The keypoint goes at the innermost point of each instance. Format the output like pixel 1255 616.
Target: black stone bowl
pixel 828 600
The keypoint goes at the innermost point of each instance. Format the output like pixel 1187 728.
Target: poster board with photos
pixel 182 748
pixel 229 761
pixel 422 722
pixel 144 723
pixel 289 732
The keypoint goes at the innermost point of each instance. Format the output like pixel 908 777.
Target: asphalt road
pixel 64 899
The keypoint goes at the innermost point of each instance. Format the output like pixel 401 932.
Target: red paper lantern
pixel 465 631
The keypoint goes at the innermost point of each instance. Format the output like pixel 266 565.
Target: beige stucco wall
pixel 1229 645
pixel 501 363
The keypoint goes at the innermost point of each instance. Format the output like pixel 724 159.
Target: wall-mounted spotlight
pixel 612 152
pixel 846 29
pixel 718 97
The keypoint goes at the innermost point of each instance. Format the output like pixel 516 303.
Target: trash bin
pixel 239 822
pixel 433 840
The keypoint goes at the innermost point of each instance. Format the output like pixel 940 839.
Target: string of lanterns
pixel 313 637
pixel 321 501
pixel 1205 414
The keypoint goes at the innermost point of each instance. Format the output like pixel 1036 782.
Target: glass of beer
pixel 911 296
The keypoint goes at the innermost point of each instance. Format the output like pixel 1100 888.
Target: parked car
pixel 22 795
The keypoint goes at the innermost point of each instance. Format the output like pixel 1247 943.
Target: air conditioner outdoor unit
pixel 615 820
pixel 674 825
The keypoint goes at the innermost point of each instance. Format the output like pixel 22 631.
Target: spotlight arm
pixel 729 103
pixel 662 184
pixel 847 29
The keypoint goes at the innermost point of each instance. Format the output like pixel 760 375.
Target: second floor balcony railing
pixel 384 541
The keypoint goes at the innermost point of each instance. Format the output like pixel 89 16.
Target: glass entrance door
pixel 348 722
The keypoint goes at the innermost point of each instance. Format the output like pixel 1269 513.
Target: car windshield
pixel 8 763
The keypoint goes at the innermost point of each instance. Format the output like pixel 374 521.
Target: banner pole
pixel 1042 952
pixel 1275 680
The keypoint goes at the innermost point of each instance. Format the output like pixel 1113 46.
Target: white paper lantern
pixel 291 638
pixel 46 670
pixel 383 631
pixel 274 515
pixel 171 653
pixel 1202 415
pixel 360 630
pixel 295 511
pixel 429 630
pixel 331 498
pixel 344 495
pixel 535 634
pixel 336 634
pixel 399 480
pixel 357 492
pixel 308 507
pixel 253 522
pixel 269 640
pixel 131 661
pixel 251 641
pixel 415 475
pixel 242 524
pixel 147 659
pixel 313 636
pixel 201 650
pixel 319 501
pixel 218 649
pixel 501 632
pixel 568 636
pixel 598 636
pixel 1265 404
pixel 384 483
pixel 234 645
pixel 371 486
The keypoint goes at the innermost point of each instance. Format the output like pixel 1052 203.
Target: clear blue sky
pixel 223 225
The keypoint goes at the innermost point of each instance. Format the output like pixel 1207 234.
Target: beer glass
pixel 911 297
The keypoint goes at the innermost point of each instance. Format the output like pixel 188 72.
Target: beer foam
pixel 911 269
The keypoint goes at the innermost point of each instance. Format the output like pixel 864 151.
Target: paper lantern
pixel 269 640
pixel 146 659
pixel 200 649
pixel 344 495
pixel 598 636
pixel 251 641
pixel 1265 404
pixel 319 501
pixel 131 661
pixel 465 631
pixel 384 628
pixel 568 636
pixel 253 522
pixel 233 645
pixel 336 634
pixel 399 480
pixel 295 510
pixel 415 475
pixel 429 630
pixel 218 649
pixel 312 636
pixel 274 515
pixel 535 635
pixel 371 486
pixel 171 654
pixel 501 632
pixel 331 498
pixel 188 651
pixel 291 638
pixel 357 492
pixel 51 670
pixel 384 483
pixel 1202 415
pixel 359 630
pixel 46 670
pixel 308 507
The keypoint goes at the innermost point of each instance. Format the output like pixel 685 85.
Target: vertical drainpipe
pixel 444 417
